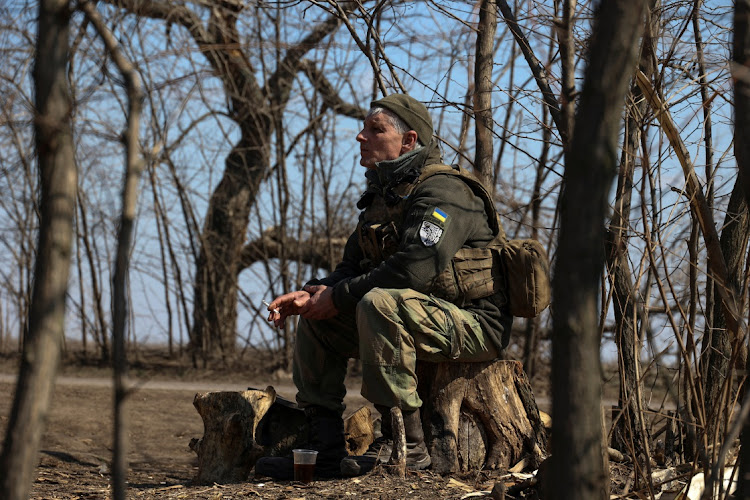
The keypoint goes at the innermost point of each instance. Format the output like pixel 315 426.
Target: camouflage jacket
pixel 409 231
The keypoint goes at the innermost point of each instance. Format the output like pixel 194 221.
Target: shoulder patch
pixel 430 233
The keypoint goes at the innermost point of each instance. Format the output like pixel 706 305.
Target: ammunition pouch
pixel 377 241
pixel 515 270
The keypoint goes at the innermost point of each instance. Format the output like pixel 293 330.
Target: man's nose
pixel 360 137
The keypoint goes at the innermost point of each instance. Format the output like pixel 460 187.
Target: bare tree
pixel 133 167
pixel 629 432
pixel 253 105
pixel 578 472
pixel 57 173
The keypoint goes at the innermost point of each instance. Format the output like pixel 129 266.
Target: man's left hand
pixel 320 305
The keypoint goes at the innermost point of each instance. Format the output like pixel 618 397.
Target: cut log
pixel 359 431
pixel 479 415
pixel 240 427
pixel 228 451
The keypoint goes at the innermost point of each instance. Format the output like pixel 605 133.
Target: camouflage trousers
pixel 390 331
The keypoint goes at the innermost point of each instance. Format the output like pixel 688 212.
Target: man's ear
pixel 409 141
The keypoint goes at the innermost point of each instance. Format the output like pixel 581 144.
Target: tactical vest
pixel 473 273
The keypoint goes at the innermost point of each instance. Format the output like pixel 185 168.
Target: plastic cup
pixel 304 465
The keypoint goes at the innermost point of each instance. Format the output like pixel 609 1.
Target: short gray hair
pixel 399 124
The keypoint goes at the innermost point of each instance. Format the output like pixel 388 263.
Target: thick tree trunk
pixel 213 333
pixel 58 181
pixel 578 459
pixel 251 104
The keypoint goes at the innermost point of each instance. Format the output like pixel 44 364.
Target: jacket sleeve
pixel 441 216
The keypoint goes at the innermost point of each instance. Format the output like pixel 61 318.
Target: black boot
pixel 326 436
pixel 379 452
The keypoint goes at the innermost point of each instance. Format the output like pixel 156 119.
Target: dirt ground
pixel 76 448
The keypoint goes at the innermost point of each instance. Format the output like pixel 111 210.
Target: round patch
pixel 430 233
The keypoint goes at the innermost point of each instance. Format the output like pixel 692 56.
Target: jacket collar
pixel 405 168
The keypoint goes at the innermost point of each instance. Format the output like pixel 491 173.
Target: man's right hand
pixel 287 305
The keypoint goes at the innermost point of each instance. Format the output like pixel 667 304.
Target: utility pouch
pixel 526 269
pixel 378 241
pixel 478 272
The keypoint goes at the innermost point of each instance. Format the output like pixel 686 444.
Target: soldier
pixel 396 297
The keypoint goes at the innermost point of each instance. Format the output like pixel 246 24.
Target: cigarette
pixel 269 305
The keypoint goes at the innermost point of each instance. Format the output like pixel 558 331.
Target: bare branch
pixel 537 68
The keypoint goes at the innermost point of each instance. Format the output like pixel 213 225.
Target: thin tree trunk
pixel 483 92
pixel 625 298
pixel 100 330
pixel 533 324
pixel 706 99
pixel 578 465
pixel 58 180
pixel 733 241
pixel 567 70
pixel 133 167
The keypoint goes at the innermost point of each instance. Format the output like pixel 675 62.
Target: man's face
pixel 379 141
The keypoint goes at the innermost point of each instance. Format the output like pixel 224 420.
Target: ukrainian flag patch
pixel 439 214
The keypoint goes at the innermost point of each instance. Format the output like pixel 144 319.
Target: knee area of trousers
pixel 375 301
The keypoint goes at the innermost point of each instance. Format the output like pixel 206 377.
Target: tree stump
pixel 228 450
pixel 479 416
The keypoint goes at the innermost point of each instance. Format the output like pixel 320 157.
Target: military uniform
pixel 415 283
pixel 394 308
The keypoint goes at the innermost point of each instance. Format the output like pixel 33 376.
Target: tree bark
pixel 397 462
pixel 58 180
pixel 741 72
pixel 724 347
pixel 578 465
pixel 228 449
pixel 567 71
pixel 479 416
